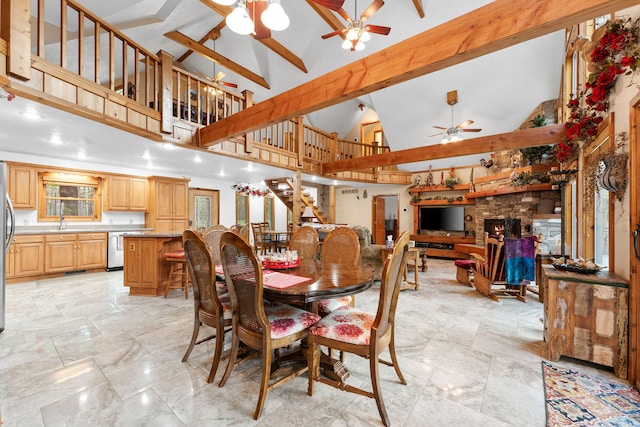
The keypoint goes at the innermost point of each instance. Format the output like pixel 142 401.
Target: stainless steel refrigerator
pixel 7 230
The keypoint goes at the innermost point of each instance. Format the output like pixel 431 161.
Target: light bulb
pixel 359 46
pixel 346 44
pixel 352 34
pixel 239 22
pixel 275 17
pixel 225 2
pixel 365 36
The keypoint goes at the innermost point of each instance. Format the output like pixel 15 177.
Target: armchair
pixel 370 253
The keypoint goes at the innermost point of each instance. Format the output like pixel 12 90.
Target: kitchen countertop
pixel 53 229
pixel 148 234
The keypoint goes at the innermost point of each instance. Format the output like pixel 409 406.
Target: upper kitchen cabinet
pixel 125 193
pixel 168 205
pixel 22 186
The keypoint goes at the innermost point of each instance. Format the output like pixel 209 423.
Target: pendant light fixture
pixel 240 21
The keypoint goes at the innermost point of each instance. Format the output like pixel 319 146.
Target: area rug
pixel 577 399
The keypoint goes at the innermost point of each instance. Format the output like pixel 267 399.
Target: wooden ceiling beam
pixel 531 137
pixel 327 16
pixel 213 34
pixel 270 43
pixel 495 26
pixel 189 43
pixel 419 8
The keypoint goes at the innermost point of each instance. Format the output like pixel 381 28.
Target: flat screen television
pixel 449 218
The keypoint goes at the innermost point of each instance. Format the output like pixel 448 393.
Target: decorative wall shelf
pixel 426 189
pixel 509 190
pixel 505 175
pixel 443 202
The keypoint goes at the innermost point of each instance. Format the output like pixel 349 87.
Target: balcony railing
pixel 68 35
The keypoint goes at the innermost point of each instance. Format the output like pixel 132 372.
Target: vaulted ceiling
pixel 497 91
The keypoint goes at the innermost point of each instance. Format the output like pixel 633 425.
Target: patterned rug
pixel 577 399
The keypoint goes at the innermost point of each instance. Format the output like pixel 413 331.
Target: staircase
pixel 283 189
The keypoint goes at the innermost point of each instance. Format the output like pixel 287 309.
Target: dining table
pixel 309 282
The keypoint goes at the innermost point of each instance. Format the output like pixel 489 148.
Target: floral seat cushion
pixel 348 325
pixel 286 320
pixel 326 306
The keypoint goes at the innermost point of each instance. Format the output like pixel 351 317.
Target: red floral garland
pixel 251 190
pixel 616 53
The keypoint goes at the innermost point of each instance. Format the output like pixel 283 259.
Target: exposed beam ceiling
pixel 495 26
pixel 532 137
pixel 216 57
pixel 213 34
pixel 271 43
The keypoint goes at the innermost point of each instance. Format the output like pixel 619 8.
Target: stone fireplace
pixel 508 227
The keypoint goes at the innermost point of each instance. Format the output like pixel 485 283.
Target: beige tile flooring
pixel 80 351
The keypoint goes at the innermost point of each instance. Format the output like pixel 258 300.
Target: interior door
pixel 634 282
pixel 204 208
pixel 378 220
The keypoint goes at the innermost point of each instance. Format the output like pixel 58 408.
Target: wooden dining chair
pixel 351 330
pixel 211 307
pixel 341 246
pixel 242 230
pixel 305 241
pixel 214 227
pixel 259 324
pixel 260 245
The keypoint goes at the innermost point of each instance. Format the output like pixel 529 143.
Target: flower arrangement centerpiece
pixel 616 53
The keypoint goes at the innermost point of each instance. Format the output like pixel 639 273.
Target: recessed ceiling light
pixel 149 164
pixel 250 167
pixel 55 139
pixel 335 182
pixel 197 158
pixel 31 115
pixel 221 173
pixel 146 155
pixel 82 155
pixel 168 146
pixel 313 178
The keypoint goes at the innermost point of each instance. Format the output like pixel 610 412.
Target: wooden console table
pixel 585 317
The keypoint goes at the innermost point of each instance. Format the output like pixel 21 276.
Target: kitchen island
pixel 145 270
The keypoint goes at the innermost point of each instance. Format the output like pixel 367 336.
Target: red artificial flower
pixel 627 61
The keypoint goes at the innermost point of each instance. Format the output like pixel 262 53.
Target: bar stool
pixel 177 278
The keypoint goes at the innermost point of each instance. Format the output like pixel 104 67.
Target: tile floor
pixel 80 351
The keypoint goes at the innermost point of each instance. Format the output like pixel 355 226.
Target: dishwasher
pixel 115 250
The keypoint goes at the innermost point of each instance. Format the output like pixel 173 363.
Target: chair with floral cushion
pixel 211 307
pixel 259 324
pixel 341 246
pixel 351 330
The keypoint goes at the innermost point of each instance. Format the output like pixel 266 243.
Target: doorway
pixel 386 211
pixel 204 208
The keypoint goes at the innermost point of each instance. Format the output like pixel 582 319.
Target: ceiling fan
pixel 358 31
pixel 452 133
pixel 216 78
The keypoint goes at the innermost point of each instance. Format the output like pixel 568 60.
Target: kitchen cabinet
pixel 71 252
pixel 586 317
pixel 168 205
pixel 145 270
pixel 125 193
pixel 22 183
pixel 25 257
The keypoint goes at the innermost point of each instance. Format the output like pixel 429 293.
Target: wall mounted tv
pixel 449 218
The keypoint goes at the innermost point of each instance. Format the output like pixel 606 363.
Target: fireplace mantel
pixel 508 190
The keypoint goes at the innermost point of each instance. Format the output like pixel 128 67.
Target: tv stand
pixel 442 246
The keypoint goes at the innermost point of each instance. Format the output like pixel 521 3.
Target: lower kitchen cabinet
pixel 70 252
pixel 25 257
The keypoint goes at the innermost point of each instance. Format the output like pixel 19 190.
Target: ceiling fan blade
pixel 373 8
pixel 203 75
pixel 255 9
pixel 377 29
pixel 470 130
pixel 228 84
pixel 465 124
pixel 219 76
pixel 436 134
pixel 335 33
pixel 440 127
pixel 330 4
pixel 344 15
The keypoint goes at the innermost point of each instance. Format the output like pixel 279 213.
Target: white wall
pixel 227 194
